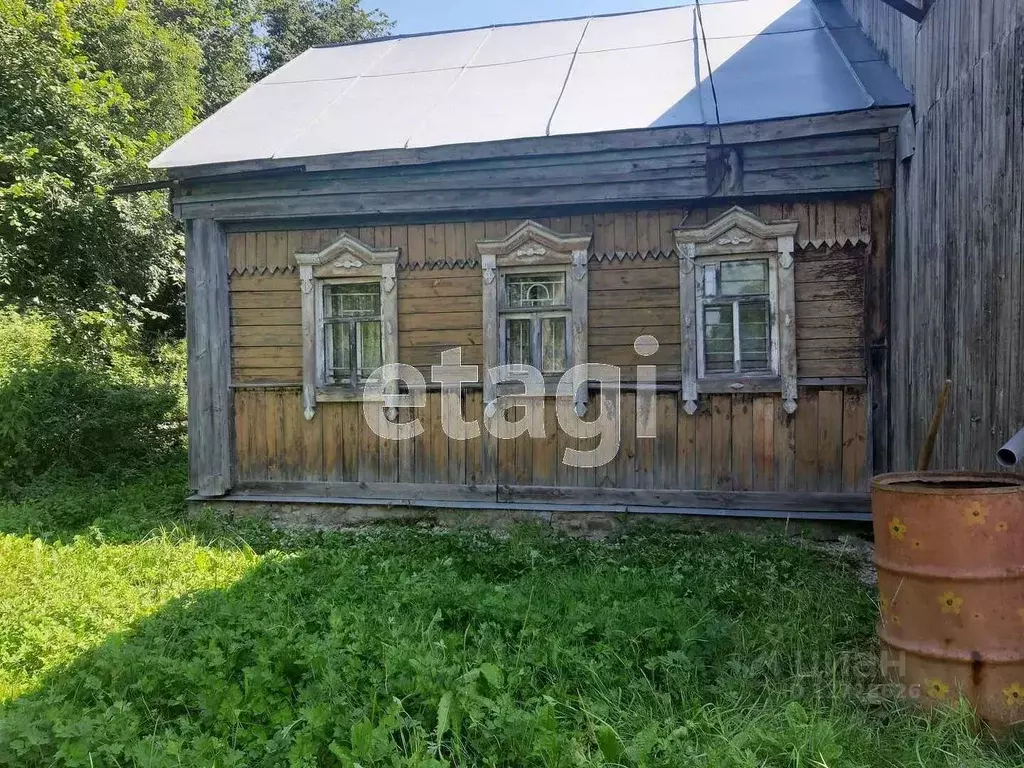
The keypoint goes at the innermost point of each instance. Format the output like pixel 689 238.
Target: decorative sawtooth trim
pixel 439 264
pixel 262 271
pixel 832 242
pixel 622 256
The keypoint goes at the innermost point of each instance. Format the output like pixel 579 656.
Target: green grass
pixel 130 636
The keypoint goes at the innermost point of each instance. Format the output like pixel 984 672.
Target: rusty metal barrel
pixel 949 548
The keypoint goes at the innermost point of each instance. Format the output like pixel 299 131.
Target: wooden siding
pixel 734 443
pixel 958 262
pixel 616 235
pixel 634 289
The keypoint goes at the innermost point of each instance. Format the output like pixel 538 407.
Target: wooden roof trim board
pixel 698 137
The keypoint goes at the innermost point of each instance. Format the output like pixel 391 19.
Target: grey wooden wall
pixel 894 34
pixel 958 265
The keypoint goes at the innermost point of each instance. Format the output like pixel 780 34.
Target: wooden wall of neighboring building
pixel 894 34
pixel 733 443
pixel 634 289
pixel 958 262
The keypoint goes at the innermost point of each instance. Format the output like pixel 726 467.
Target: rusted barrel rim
pixel 946 483
pixel 945 653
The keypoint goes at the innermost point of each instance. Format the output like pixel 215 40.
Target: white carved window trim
pixel 535 248
pixel 346 260
pixel 738 235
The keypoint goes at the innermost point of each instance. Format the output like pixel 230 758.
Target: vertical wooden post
pixel 876 324
pixel 210 428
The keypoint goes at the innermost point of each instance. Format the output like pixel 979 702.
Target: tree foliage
pixel 90 91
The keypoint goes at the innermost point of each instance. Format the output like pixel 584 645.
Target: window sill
pixel 738 385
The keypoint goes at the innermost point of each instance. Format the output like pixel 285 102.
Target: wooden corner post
pixel 210 428
pixel 876 322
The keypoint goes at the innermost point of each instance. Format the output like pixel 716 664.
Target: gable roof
pixel 770 59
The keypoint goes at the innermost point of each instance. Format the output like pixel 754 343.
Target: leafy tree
pixel 292 26
pixel 90 91
pixel 68 131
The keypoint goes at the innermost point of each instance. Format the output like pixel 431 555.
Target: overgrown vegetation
pixel 210 643
pixel 90 92
pixel 89 401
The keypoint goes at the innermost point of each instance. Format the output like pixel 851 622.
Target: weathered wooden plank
pixel 742 442
pixel 785 448
pixel 721 442
pixel 830 440
pixel 666 473
pixel 763 418
pixel 854 440
pixel 806 436
pixel 210 410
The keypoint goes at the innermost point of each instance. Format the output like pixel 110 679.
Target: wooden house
pixel 702 203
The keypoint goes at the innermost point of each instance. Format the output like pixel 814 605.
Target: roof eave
pixel 875 119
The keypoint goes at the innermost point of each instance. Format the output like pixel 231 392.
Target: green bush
pixel 63 417
pixel 85 398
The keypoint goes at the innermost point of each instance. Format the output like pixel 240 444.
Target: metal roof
pixel 769 59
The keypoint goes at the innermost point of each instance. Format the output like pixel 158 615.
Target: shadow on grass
pixel 120 506
pixel 405 648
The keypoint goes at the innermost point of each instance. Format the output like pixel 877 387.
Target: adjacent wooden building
pixel 552 194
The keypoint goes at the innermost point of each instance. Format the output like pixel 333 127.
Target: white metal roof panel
pixel 451 50
pixel 520 98
pixel 759 17
pixel 670 25
pixel 363 117
pixel 769 59
pixel 747 74
pixel 650 85
pixel 506 45
pixel 331 63
pixel 255 125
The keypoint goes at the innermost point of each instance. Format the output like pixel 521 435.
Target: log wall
pixel 958 262
pixel 634 289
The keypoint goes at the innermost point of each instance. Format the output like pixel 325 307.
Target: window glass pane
pixel 742 278
pixel 349 300
pixel 547 290
pixel 718 339
pixel 711 280
pixel 517 342
pixel 340 361
pixel 754 336
pixel 370 349
pixel 552 339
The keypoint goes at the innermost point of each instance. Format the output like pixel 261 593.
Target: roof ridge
pixel 588 16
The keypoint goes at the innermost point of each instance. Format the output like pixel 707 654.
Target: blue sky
pixel 424 16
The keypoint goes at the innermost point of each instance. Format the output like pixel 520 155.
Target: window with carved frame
pixel 349 319
pixel 535 284
pixel 737 307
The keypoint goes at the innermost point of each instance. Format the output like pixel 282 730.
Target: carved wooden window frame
pixel 533 247
pixel 346 260
pixel 738 234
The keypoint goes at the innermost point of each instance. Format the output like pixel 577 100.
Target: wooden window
pixel 535 321
pixel 349 319
pixel 736 318
pixel 737 307
pixel 535 285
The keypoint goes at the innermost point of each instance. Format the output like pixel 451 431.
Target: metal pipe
pixel 1013 451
